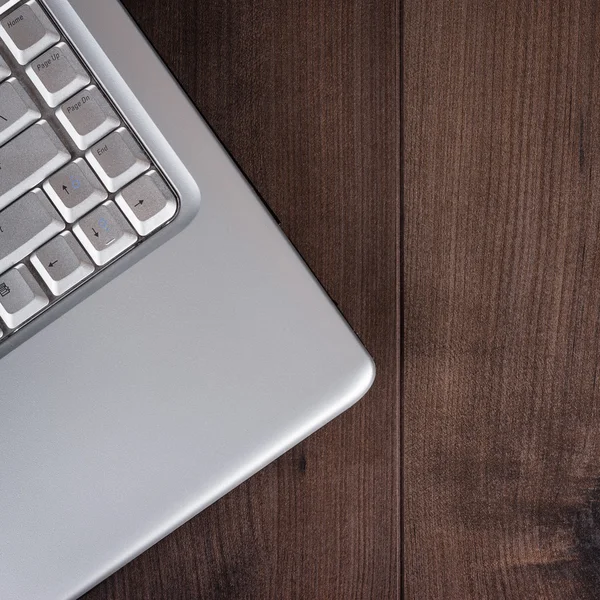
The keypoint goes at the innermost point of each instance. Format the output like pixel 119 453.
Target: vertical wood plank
pixel 502 299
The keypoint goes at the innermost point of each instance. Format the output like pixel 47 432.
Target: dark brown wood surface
pixel 502 299
pixel 305 95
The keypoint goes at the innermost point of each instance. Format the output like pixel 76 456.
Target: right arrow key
pixel 148 203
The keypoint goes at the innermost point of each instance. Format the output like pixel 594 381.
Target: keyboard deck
pixel 77 189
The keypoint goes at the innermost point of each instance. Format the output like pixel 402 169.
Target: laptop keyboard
pixel 77 190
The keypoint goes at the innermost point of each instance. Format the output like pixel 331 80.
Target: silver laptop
pixel 160 339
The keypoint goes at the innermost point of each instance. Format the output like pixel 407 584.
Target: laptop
pixel 160 338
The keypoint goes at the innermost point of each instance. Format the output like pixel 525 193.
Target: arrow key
pixel 105 233
pixel 75 190
pixel 62 263
pixel 147 203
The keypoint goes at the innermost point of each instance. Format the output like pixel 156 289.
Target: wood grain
pixel 305 95
pixel 502 299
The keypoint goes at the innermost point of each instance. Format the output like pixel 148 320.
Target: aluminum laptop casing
pixel 175 374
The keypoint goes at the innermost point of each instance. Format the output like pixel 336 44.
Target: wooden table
pixel 305 95
pixel 502 299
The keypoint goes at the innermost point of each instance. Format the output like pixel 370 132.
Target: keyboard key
pixel 75 190
pixel 17 110
pixel 21 297
pixel 4 69
pixel 27 32
pixel 117 159
pixel 148 203
pixel 6 4
pixel 87 117
pixel 58 74
pixel 62 263
pixel 105 233
pixel 28 159
pixel 25 225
